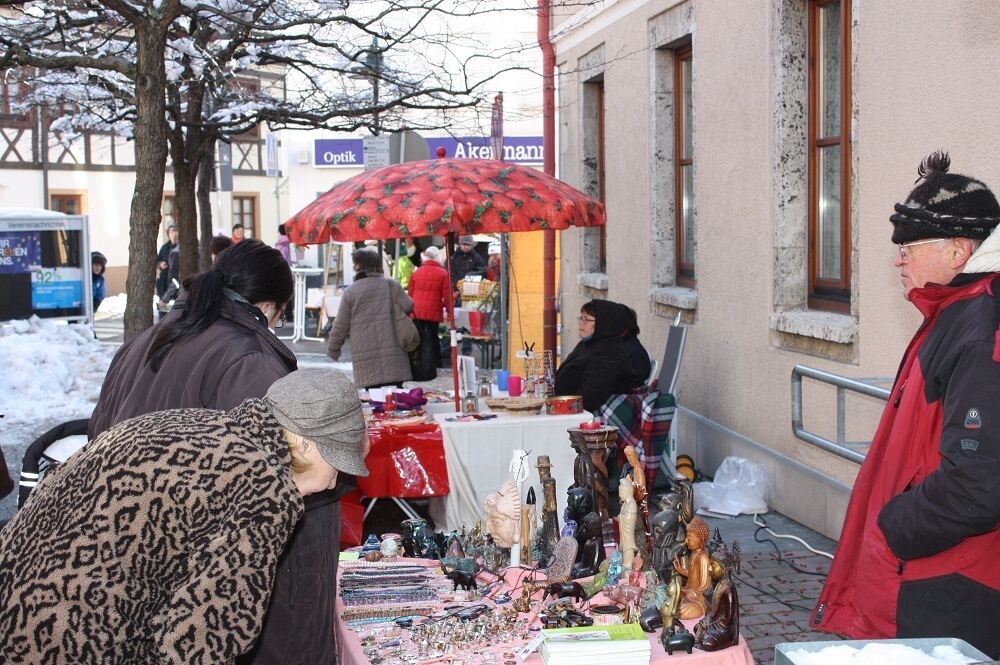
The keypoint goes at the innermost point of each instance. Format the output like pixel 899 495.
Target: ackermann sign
pixel 348 153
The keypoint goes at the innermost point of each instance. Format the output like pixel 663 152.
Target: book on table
pixel 625 644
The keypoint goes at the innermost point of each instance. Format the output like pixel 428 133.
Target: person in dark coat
pixel 213 350
pixel 466 261
pixel 598 367
pixel 162 261
pixel 638 356
pixel 429 290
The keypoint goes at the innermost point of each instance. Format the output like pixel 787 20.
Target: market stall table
pixel 478 455
pixel 352 653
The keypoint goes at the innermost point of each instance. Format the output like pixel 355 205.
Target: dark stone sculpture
pixel 591 552
pixel 566 590
pixel 579 502
pixel 676 639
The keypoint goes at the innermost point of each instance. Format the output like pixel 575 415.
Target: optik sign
pixel 349 153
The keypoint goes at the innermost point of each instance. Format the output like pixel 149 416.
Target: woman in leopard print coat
pixel 156 543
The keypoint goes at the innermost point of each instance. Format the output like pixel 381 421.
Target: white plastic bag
pixel 740 486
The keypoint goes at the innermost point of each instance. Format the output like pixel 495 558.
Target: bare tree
pixel 175 72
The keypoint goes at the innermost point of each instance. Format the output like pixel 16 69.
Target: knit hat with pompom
pixel 945 205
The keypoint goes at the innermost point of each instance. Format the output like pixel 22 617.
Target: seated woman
pixel 638 357
pixel 158 541
pixel 598 367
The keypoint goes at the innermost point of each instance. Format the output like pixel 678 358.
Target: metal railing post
pixel 843 384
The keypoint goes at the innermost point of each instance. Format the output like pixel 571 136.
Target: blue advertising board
pixel 45 266
pixel 349 153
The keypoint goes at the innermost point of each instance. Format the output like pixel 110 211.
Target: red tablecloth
pixel 405 462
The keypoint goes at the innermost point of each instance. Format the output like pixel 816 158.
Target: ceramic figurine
pixel 626 521
pixel 592 551
pixel 599 582
pixel 693 603
pixel 656 593
pixel 569 529
pixel 623 594
pixel 455 547
pixel 641 494
pixel 669 607
pixel 635 578
pixel 615 568
pixel 503 515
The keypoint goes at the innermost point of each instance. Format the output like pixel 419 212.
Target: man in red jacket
pixel 429 289
pixel 918 552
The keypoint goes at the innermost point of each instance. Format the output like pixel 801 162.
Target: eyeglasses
pixel 904 245
pixel 581 319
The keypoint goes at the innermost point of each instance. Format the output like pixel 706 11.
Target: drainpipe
pixel 549 160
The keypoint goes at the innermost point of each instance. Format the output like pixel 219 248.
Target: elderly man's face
pixel 465 247
pixel 931 262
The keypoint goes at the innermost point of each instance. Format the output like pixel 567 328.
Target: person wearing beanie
pixel 466 261
pixel 160 540
pixel 429 290
pixel 922 530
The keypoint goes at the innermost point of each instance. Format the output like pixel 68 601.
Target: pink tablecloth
pixel 349 642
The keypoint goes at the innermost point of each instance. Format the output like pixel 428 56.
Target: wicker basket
pixel 496 403
pixel 524 406
pixel 476 292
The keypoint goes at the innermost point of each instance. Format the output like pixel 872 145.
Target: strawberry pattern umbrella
pixel 441 196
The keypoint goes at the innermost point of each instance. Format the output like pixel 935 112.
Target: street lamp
pixel 372 69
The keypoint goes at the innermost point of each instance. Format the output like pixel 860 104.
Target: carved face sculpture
pixel 503 515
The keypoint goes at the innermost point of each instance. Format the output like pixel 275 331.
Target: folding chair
pixel 667 382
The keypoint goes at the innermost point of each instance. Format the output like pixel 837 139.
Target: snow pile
pixel 878 654
pixel 111 307
pixel 51 371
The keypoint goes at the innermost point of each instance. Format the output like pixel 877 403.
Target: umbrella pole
pixel 449 243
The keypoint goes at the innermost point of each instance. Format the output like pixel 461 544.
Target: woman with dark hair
pixel 215 349
pixel 366 316
pixel 598 367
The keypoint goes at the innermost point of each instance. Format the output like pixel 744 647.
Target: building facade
pixel 749 154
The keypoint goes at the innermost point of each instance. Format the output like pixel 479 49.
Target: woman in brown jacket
pixel 366 316
pixel 157 542
pixel 212 351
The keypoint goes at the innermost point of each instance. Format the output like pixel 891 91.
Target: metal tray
pixel 925 644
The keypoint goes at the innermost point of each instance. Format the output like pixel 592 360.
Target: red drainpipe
pixel 549 157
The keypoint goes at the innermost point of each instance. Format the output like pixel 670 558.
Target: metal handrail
pixel 843 384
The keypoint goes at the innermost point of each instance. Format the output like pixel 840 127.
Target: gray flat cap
pixel 466 240
pixel 322 405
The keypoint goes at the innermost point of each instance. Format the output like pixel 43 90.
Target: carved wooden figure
pixel 550 516
pixel 693 604
pixel 641 493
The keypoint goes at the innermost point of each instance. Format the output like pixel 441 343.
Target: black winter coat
pixel 599 367
pixel 236 358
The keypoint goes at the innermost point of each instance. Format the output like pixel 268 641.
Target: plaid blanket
pixel 643 419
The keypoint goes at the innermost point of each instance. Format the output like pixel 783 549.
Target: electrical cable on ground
pixel 759 521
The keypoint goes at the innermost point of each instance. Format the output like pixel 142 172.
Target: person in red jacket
pixel 429 289
pixel 917 554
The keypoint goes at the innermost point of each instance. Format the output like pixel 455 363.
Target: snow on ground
pixel 52 373
pixel 878 654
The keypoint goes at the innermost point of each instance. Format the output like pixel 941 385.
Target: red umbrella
pixel 442 197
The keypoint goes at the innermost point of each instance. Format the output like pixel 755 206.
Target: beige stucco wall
pixel 921 81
